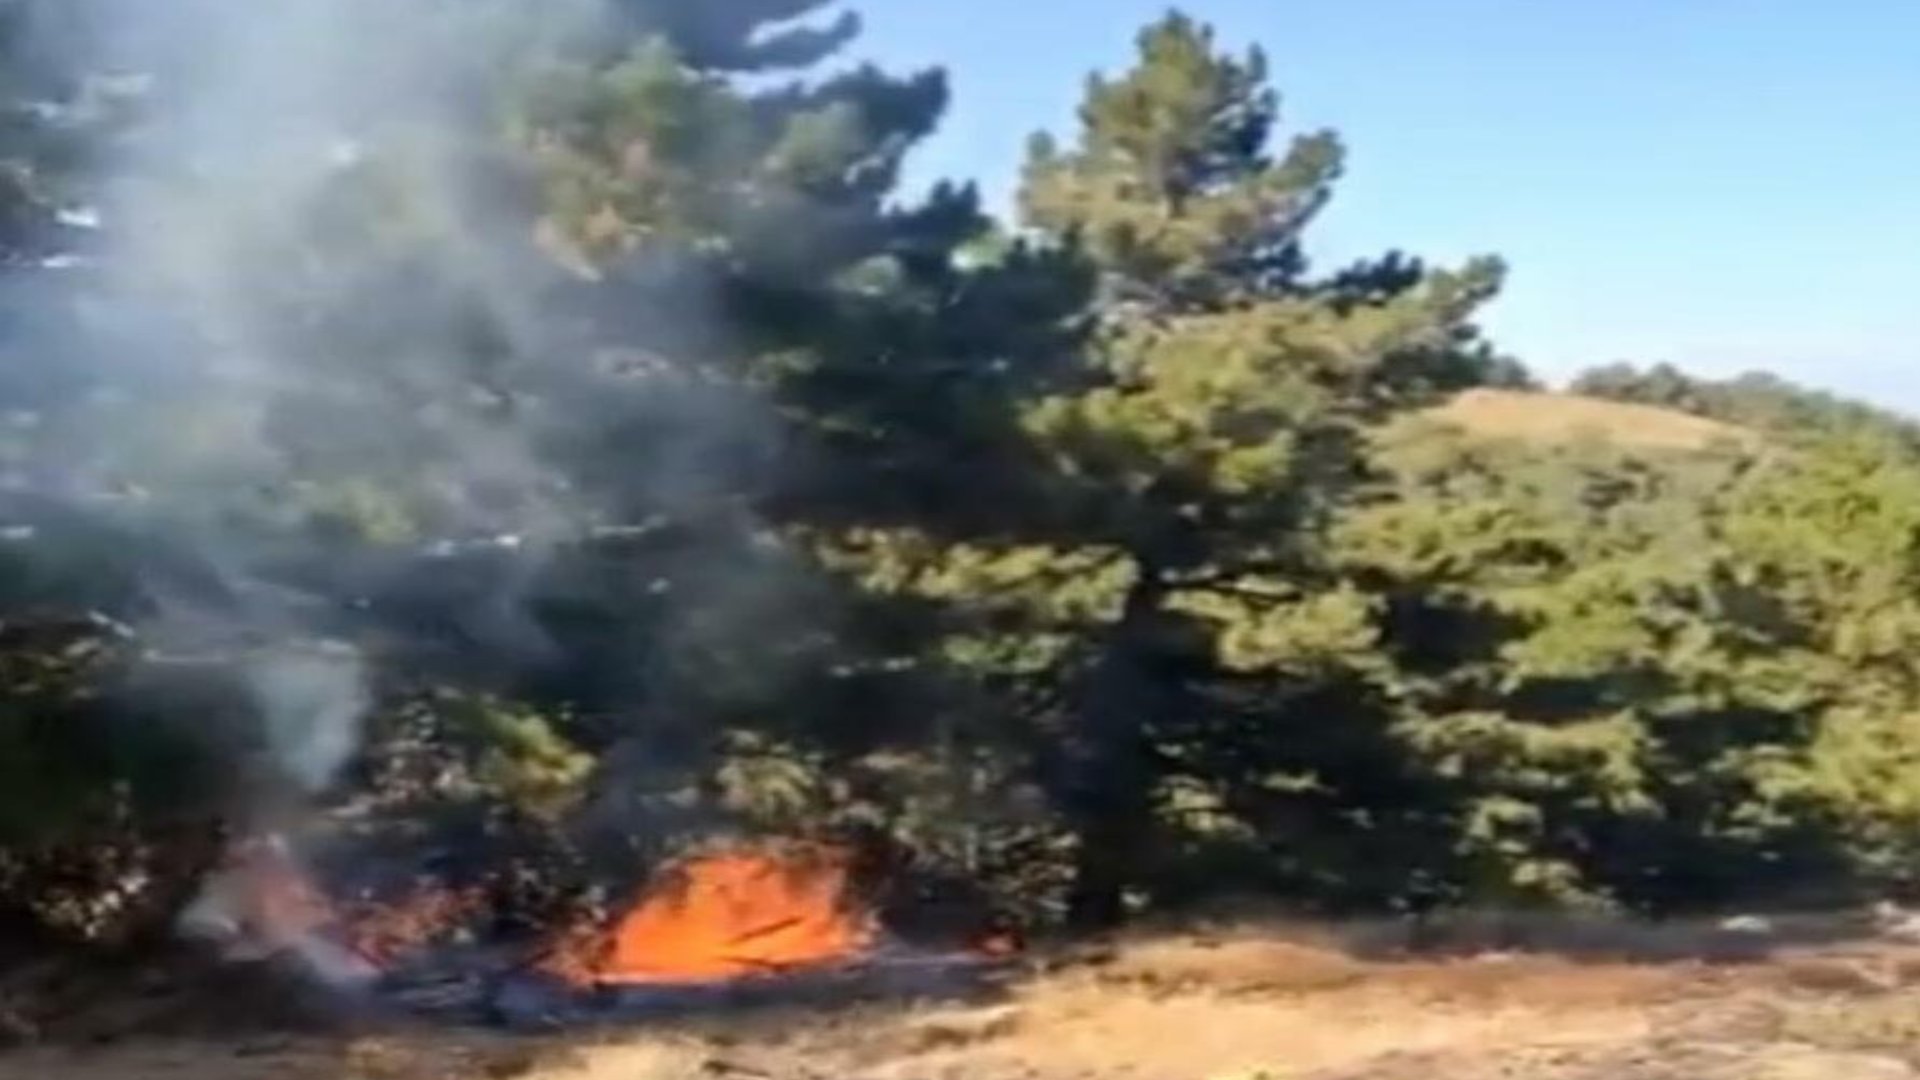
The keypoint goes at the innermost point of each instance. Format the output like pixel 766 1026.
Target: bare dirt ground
pixel 1255 1002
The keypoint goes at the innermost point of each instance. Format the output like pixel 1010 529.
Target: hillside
pixel 1539 416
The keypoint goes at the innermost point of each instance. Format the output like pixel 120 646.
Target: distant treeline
pixel 1758 400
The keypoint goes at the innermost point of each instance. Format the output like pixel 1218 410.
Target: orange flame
pixel 729 915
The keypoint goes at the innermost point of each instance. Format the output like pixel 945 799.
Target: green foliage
pixel 1170 188
pixel 1164 541
pixel 1098 559
pixel 1652 674
pixel 450 753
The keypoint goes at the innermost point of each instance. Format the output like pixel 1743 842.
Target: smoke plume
pixel 304 351
pixel 295 304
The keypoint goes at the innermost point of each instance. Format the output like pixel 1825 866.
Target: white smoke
pixel 289 255
pixel 227 381
pixel 310 703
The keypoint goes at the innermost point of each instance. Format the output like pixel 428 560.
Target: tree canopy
pixel 593 449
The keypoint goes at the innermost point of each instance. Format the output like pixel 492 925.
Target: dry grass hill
pixel 1544 417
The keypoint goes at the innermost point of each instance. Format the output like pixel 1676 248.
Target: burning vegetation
pixel 729 918
pixel 731 914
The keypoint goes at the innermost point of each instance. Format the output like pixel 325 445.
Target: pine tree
pixel 537 374
pixel 1166 541
pixel 739 36
pixel 798 351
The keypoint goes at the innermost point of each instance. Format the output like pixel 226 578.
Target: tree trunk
pixel 1109 803
pixel 1103 867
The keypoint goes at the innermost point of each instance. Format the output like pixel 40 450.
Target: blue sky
pixel 1724 184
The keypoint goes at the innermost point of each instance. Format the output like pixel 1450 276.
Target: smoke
pixel 261 114
pixel 295 305
pixel 295 329
pixel 310 704
pixel 307 345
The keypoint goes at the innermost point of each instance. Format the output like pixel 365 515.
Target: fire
pixel 729 915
